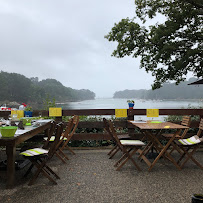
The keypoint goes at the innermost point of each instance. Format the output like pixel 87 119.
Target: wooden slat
pixel 168 112
pixel 201 124
pixel 131 112
pixel 99 124
pixel 72 112
pixel 194 124
pixel 104 136
pixel 5 114
pixel 122 124
pixel 91 136
pixel 158 126
pixel 99 136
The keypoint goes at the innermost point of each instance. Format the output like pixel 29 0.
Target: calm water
pixel 110 103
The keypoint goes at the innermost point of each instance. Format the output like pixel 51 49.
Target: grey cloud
pixel 64 40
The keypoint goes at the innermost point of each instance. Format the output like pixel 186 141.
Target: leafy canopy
pixel 168 50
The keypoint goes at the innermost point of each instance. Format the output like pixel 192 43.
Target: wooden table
pixel 147 129
pixel 11 143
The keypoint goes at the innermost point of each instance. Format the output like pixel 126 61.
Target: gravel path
pixel 89 177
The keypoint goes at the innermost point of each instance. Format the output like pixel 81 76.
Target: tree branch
pixel 194 3
pixel 200 12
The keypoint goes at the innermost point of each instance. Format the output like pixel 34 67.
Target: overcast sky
pixel 64 40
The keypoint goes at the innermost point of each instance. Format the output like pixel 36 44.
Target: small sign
pixel 120 113
pixel 152 112
pixel 20 113
pixel 56 112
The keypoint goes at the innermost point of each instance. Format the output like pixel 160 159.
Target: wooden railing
pixel 110 112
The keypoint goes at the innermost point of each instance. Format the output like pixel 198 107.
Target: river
pixel 110 103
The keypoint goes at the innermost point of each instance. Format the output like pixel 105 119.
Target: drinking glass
pixel 2 121
pixel 9 117
pixel 27 118
pixel 15 117
pixel 8 122
pixel 40 115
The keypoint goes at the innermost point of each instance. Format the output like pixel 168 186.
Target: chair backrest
pixel 55 145
pixel 50 133
pixel 71 127
pixel 186 122
pixel 200 128
pixel 109 127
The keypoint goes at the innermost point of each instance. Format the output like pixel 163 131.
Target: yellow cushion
pixel 34 152
pixel 53 137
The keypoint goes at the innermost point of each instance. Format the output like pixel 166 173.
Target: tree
pixel 14 87
pixel 169 50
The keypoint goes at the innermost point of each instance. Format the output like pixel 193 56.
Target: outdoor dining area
pixel 153 161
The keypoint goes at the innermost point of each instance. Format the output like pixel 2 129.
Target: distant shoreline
pixel 160 99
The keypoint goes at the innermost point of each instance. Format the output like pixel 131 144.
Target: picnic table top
pixel 157 125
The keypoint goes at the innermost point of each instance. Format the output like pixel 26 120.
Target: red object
pixel 24 104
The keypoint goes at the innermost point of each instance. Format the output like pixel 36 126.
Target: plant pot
pixel 131 105
pixel 28 113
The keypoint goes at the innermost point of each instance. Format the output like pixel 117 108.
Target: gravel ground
pixel 89 177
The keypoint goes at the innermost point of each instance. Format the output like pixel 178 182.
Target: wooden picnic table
pixel 152 130
pixel 11 143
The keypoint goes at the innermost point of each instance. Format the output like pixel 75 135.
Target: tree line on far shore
pixel 167 92
pixel 18 88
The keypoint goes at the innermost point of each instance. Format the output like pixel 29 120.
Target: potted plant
pixel 131 103
pixel 27 110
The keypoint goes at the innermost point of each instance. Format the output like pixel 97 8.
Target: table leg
pixel 46 133
pixel 10 151
pixel 164 151
pixel 155 142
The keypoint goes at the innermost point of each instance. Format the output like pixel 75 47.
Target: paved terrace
pixel 89 176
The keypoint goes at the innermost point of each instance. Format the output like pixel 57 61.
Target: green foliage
pixel 179 118
pixel 16 87
pixel 131 101
pixel 90 143
pixel 169 50
pixel 48 102
pixel 28 107
pixel 94 143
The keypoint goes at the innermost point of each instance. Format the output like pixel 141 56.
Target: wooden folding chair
pixel 127 147
pixel 189 147
pixel 39 158
pixel 65 138
pixel 186 121
pixel 50 134
pixel 115 149
pixel 69 132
